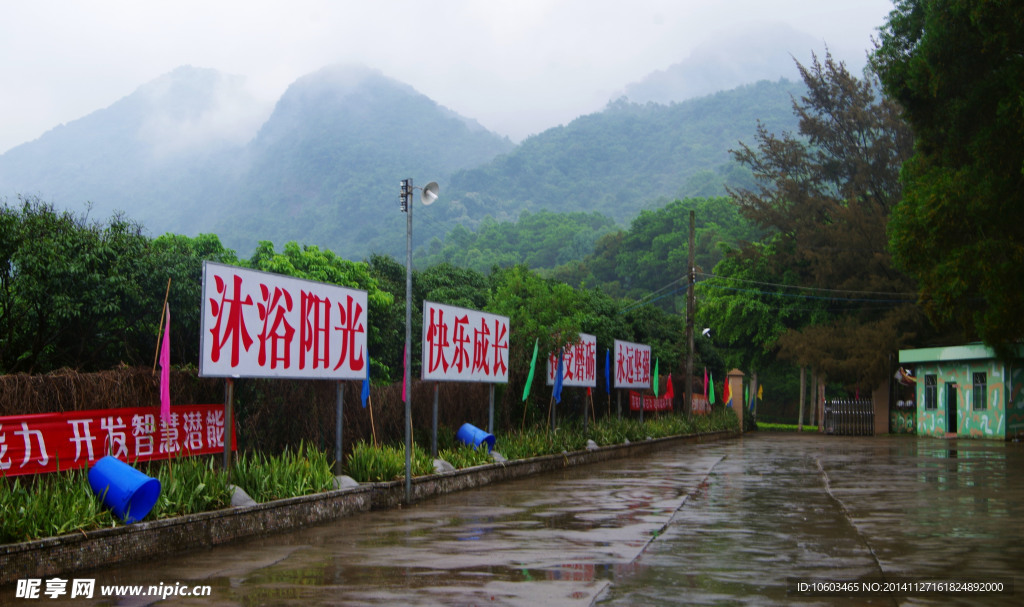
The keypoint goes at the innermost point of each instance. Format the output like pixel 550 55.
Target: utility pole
pixel 690 305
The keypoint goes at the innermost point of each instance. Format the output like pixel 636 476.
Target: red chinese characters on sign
pixel 256 324
pixel 464 345
pixel 632 365
pixel 648 402
pixel 579 363
pixel 33 444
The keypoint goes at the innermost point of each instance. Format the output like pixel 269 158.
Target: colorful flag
pixel 165 371
pixel 711 398
pixel 558 379
pixel 726 392
pixel 656 361
pixel 760 391
pixel 533 367
pixel 706 383
pixel 669 391
pixel 366 383
pixel 608 370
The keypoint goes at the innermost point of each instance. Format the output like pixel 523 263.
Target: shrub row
pixel 59 503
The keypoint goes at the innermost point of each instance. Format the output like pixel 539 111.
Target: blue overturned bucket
pixel 128 492
pixel 471 435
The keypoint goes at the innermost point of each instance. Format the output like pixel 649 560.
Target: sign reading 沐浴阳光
pixel 257 324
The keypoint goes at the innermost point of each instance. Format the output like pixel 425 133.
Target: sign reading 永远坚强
pixel 632 365
pixel 464 345
pixel 257 324
pixel 579 363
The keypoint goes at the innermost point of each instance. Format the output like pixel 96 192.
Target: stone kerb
pixel 104 547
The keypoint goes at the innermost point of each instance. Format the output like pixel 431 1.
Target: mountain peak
pixel 768 54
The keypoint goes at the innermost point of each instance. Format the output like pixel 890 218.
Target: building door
pixel 951 407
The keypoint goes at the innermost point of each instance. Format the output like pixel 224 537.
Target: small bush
pixel 293 473
pixel 369 464
pixel 466 456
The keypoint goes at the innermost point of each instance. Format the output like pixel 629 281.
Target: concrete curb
pixel 74 552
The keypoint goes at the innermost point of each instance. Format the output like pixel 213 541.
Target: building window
pixel 980 389
pixel 931 400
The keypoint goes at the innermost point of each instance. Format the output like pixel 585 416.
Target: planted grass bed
pixel 769 427
pixel 60 503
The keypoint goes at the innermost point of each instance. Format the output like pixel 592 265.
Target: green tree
pixel 74 293
pixel 957 68
pixel 180 258
pixel 825 197
pixel 312 263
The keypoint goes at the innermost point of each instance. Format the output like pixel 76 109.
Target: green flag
pixel 656 377
pixel 533 367
pixel 711 386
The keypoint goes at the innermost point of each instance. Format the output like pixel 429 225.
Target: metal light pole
pixel 428 195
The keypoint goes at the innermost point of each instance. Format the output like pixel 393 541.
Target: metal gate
pixel 849 417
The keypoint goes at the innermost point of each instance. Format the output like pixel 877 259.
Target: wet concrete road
pixel 733 522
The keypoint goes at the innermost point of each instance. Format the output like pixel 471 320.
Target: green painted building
pixel 965 391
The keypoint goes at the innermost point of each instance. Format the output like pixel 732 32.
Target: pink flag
pixel 705 383
pixel 165 371
pixel 404 353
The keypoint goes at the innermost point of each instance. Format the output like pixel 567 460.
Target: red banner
pixel 700 405
pixel 648 402
pixel 46 442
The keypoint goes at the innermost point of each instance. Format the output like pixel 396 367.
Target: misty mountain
pixel 326 166
pixel 168 142
pixel 626 158
pixel 768 54
pixel 192 152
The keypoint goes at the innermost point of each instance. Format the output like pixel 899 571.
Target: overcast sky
pixel 517 66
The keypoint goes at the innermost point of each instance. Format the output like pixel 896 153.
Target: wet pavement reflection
pixel 730 522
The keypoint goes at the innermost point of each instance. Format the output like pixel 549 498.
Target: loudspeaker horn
pixel 430 193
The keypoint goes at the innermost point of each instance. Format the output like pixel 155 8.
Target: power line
pixel 820 289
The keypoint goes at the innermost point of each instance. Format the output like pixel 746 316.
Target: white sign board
pixel 464 345
pixel 579 363
pixel 257 324
pixel 632 365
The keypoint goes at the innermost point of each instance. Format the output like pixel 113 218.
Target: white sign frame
pixel 574 359
pixel 272 303
pixel 634 361
pixel 477 332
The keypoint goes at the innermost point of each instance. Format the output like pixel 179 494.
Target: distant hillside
pixel 625 159
pixel 182 154
pixel 326 166
pixel 769 53
pixel 192 153
pixel 166 144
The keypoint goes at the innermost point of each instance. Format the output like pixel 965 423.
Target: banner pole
pixel 339 393
pixel 160 329
pixel 229 399
pixel 433 432
pixel 490 410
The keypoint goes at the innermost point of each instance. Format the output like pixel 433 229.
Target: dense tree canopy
pixel 957 68
pixel 823 281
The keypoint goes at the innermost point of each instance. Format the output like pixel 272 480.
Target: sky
pixel 518 67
